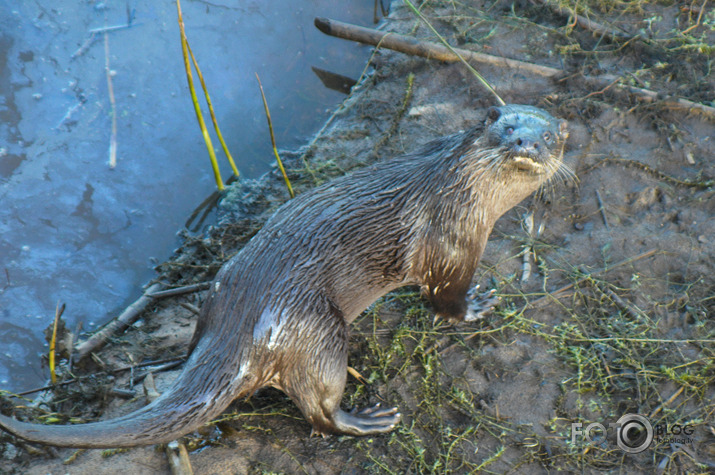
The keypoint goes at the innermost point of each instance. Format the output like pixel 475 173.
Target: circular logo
pixel 634 433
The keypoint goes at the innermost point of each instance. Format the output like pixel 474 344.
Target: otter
pixel 277 313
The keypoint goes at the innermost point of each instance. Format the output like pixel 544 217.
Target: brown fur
pixel 278 312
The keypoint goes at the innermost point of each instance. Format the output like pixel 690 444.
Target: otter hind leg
pixel 371 420
pixel 316 382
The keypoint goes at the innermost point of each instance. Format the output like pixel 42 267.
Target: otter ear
pixel 493 113
pixel 563 129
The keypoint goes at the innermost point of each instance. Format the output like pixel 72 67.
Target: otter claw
pixel 480 304
pixel 377 411
pixel 365 411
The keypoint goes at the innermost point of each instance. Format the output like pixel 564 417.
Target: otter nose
pixel 526 142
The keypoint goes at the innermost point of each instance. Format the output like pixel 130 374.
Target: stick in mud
pixel 426 49
pixel 130 315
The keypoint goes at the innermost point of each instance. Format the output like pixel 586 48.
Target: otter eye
pixel 509 130
pixel 547 137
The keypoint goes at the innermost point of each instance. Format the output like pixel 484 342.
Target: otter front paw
pixel 480 304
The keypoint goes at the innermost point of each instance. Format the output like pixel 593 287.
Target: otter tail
pixel 199 394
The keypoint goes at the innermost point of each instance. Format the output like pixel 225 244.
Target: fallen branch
pixel 426 49
pixel 130 315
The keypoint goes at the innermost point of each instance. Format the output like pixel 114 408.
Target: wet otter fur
pixel 278 312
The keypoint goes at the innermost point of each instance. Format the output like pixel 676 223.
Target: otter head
pixel 530 138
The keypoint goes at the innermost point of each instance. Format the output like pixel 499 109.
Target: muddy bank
pixel 630 245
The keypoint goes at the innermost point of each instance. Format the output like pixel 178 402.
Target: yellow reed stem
pixel 273 140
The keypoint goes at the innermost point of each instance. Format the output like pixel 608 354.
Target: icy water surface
pixel 76 231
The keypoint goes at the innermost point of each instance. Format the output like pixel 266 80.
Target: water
pixel 74 230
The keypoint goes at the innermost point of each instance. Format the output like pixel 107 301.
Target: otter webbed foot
pixel 368 421
pixel 480 304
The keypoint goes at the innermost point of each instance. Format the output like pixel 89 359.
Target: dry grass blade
pixel 476 74
pixel 195 100
pixel 212 113
pixel 59 310
pixel 273 139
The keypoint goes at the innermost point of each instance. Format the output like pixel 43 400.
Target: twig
pixel 186 289
pixel 84 47
pixel 175 451
pixel 602 210
pixel 118 325
pixel 204 209
pixel 652 96
pixel 158 369
pixel 634 312
pixel 666 403
pixel 273 140
pixel 697 23
pixel 356 374
pixel 110 89
pixel 122 393
pixel 166 363
pixel 590 25
pixel 178 458
pixel 70 112
pixel 412 46
pixel 150 389
pixel 191 308
pixel 528 223
pixel 107 29
pixel 705 182
pixel 645 340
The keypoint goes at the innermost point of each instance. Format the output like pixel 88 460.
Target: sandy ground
pixel 633 239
